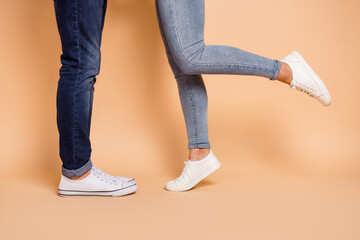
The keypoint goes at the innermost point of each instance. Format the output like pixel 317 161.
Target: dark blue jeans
pixel 80 25
pixel 181 22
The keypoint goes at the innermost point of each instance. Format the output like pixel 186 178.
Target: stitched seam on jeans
pixel 196 54
pixel 193 44
pixel 193 108
pixel 165 39
pixel 75 110
pixel 205 64
pixel 163 34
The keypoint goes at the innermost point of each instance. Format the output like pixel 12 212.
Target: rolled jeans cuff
pixel 277 66
pixel 77 172
pixel 199 145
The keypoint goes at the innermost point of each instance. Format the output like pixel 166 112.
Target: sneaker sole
pixel 113 193
pixel 214 167
pixel 324 91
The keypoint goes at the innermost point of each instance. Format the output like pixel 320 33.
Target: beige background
pixel 291 167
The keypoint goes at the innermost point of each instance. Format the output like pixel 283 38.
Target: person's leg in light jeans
pixel 182 28
pixel 80 24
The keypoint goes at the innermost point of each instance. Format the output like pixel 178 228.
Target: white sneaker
pixel 125 179
pixel 193 173
pixel 97 183
pixel 305 79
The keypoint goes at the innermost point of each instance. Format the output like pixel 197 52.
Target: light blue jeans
pixel 181 25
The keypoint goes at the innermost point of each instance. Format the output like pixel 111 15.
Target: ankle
pixel 82 176
pixel 196 154
pixel 285 75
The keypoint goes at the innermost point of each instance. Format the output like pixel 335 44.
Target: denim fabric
pixel 80 24
pixel 181 25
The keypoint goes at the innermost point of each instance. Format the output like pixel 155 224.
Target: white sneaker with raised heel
pixel 97 183
pixel 193 173
pixel 305 79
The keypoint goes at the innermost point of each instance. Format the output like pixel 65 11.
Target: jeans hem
pixel 199 145
pixel 77 172
pixel 277 65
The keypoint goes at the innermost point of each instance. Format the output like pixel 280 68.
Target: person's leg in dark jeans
pixel 80 24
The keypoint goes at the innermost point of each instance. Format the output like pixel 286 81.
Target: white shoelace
pixel 107 178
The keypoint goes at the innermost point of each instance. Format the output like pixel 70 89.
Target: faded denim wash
pixel 181 25
pixel 80 24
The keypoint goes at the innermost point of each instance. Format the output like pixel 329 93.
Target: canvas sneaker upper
pixel 305 79
pixel 97 183
pixel 193 173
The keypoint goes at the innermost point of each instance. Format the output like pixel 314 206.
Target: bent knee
pixel 188 58
pixel 188 67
